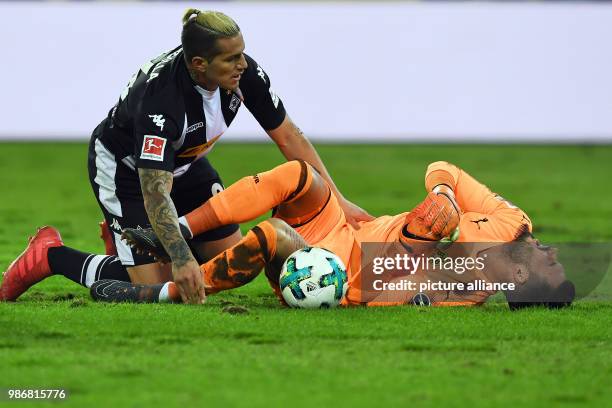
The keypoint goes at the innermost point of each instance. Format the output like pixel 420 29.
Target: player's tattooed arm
pixel 156 186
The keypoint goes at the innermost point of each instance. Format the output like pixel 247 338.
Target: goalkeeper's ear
pixel 520 273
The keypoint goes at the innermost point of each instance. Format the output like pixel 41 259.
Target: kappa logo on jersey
pixel 275 98
pixel 234 103
pixel 158 120
pixel 153 148
pixel 116 226
pixel 261 73
pixel 194 127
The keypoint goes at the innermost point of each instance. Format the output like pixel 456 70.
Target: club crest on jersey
pixel 158 120
pixel 234 103
pixel 153 148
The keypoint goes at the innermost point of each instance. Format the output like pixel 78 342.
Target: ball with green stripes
pixel 313 278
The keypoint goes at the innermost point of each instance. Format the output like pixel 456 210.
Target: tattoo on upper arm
pixel 156 186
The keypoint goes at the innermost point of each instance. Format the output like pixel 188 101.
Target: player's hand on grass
pixel 188 279
pixel 353 213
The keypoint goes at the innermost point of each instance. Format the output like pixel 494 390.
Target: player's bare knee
pixel 274 236
pixel 287 242
pixel 287 239
pixel 278 224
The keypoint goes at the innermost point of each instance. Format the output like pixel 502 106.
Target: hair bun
pixel 190 14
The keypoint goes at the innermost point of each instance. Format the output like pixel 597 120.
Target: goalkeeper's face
pixel 542 278
pixel 543 263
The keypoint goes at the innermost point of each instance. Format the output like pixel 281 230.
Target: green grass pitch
pixel 178 356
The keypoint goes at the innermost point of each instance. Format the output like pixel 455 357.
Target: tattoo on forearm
pixel 312 163
pixel 297 129
pixel 156 186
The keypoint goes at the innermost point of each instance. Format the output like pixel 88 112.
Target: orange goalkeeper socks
pixel 252 196
pixel 235 266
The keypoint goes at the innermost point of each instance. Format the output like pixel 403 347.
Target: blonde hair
pixel 201 29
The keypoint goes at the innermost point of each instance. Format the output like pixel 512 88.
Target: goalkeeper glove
pixel 435 218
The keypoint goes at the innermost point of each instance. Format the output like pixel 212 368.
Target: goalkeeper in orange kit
pixel 305 212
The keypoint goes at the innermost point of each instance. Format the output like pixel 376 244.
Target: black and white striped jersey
pixel 164 121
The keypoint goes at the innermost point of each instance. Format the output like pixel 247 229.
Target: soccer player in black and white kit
pixel 148 166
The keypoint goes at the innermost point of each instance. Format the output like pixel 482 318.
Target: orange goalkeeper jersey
pixel 486 217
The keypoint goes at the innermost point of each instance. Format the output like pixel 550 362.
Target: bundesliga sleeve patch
pixel 153 148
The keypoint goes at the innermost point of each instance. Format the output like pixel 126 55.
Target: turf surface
pixel 176 355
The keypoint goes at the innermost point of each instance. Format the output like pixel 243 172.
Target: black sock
pixel 84 268
pixel 115 291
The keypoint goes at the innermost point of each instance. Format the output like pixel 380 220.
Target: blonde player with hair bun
pixel 148 162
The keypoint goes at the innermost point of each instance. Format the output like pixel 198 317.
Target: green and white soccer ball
pixel 313 278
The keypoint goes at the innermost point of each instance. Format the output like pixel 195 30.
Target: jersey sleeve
pixel 259 98
pixel 486 216
pixel 155 130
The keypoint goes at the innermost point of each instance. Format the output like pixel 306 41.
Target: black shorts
pixel 117 189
